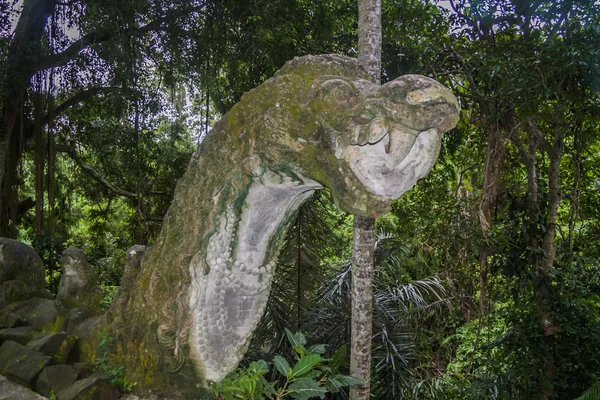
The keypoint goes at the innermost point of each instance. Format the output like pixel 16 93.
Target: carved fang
pixel 401 141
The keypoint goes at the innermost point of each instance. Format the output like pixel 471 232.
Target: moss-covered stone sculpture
pixel 319 122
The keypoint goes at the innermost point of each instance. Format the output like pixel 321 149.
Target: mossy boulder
pixel 55 378
pixel 21 335
pixel 39 313
pixel 95 387
pixel 22 272
pixel 25 366
pixel 58 346
pixel 13 391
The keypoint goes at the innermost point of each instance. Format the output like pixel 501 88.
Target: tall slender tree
pixel 369 53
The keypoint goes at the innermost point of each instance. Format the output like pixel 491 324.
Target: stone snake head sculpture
pixel 317 123
pixel 389 135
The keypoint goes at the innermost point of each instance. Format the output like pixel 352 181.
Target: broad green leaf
pixel 301 350
pixel 346 380
pixel 331 386
pixel 259 367
pixel 315 373
pixel 305 364
pixel 292 338
pixel 316 349
pixel 338 359
pixel 295 339
pixel 300 338
pixel 282 365
pixel 267 385
pixel 304 389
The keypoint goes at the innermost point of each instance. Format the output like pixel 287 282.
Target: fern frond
pixel 592 393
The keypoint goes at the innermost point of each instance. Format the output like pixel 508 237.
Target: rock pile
pixel 36 354
pixel 44 362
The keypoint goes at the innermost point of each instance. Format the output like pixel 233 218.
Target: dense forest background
pixel 487 272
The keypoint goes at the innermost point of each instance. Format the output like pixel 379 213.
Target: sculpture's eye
pixel 395 91
pixel 337 91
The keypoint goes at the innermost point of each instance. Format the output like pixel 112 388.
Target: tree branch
pixel 61 58
pixel 97 176
pixel 78 98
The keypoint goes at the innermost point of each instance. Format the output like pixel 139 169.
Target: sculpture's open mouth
pixel 388 158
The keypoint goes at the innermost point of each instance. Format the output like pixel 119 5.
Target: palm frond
pixel 592 393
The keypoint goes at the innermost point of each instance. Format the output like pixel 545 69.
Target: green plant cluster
pixel 310 376
pixel 104 364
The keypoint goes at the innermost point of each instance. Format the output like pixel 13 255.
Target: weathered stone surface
pixel 78 291
pixel 21 335
pixel 128 280
pixel 83 370
pixel 11 320
pixel 24 367
pixel 38 312
pixel 22 272
pixel 13 391
pixel 319 122
pixel 96 387
pixel 55 378
pixel 8 351
pixel 57 345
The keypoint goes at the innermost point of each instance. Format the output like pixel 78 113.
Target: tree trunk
pixel 13 136
pixel 369 37
pixel 494 164
pixel 543 238
pixel 362 305
pixel 544 293
pixel 301 272
pixel 369 54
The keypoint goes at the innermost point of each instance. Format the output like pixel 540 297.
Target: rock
pixel 25 366
pixel 11 320
pixel 132 266
pixel 58 346
pixel 38 312
pixel 83 370
pixel 78 291
pixel 8 351
pixel 21 335
pixel 22 272
pixel 130 273
pixel 13 391
pixel 55 378
pixel 96 387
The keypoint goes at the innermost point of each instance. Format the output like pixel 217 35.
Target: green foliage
pixel 109 294
pixel 592 393
pixel 312 375
pixel 116 373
